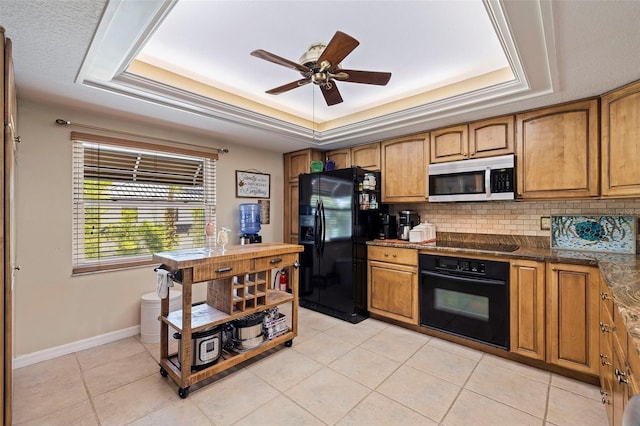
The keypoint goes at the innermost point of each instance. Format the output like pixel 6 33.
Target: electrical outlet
pixel 545 223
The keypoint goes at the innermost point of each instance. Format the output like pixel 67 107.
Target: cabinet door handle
pixel 603 360
pixel 276 260
pixel 604 296
pixel 225 269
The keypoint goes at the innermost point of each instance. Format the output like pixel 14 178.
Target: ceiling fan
pixel 321 65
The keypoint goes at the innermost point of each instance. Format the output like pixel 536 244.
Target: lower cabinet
pixel 554 314
pixel 619 361
pixel 573 316
pixel 527 297
pixel 393 283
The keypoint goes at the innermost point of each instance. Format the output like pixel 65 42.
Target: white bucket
pixel 150 311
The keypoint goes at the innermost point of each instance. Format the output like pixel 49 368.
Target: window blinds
pixel 131 200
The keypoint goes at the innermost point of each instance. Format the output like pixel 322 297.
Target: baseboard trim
pixel 80 345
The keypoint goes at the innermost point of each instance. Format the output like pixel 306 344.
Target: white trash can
pixel 150 311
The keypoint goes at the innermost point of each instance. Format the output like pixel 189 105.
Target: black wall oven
pixel 465 297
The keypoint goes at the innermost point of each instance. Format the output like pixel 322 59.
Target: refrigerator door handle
pixel 315 224
pixel 323 221
pixel 316 229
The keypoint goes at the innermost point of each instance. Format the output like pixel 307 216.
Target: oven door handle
pixel 484 281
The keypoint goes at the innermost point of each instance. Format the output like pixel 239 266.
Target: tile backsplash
pixel 512 217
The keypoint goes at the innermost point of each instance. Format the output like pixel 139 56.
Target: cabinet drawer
pixel 605 297
pixel 219 270
pixel 277 261
pixel 393 255
pixel 634 366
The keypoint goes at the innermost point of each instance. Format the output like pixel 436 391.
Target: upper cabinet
pixel 558 152
pixel 295 163
pixel 485 138
pixel 404 169
pixel 342 157
pixel 299 162
pixel 366 156
pixel 449 144
pixel 621 142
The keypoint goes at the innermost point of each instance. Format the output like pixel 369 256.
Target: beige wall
pixel 53 308
pixel 513 218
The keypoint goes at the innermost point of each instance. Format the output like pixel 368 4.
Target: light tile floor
pixel 335 373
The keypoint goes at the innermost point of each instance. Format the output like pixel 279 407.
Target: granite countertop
pixel 621 272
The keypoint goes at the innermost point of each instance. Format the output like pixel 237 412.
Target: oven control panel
pixel 462 265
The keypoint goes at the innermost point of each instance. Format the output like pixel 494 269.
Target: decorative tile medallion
pixel 613 234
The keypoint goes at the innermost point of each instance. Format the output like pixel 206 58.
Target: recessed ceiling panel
pixel 424 44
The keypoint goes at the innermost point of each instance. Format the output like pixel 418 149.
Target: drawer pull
pixel 276 260
pixel 621 377
pixel 606 328
pixel 225 269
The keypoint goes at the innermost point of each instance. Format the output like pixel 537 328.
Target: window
pixel 132 199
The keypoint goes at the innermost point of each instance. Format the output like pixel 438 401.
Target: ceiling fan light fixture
pixel 310 57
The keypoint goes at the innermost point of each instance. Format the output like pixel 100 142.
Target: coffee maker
pixel 388 227
pixel 408 219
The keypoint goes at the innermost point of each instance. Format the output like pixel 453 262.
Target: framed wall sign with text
pixel 253 185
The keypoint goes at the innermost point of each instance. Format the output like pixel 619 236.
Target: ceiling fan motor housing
pixel 321 72
pixel 310 57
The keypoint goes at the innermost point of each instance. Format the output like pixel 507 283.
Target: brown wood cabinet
pixel 366 156
pixel 9 116
pixel 558 152
pixel 342 157
pixel 619 361
pixel 527 308
pixel 393 283
pixel 484 138
pixel 450 144
pixel 404 169
pixel 573 316
pixel 295 163
pixel 621 142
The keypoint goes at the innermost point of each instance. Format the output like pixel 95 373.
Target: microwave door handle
pixel 487 181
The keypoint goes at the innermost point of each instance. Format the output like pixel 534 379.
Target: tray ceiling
pixel 187 64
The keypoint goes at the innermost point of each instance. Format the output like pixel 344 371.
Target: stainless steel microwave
pixel 481 179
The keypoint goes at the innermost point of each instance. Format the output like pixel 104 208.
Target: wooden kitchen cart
pixel 239 283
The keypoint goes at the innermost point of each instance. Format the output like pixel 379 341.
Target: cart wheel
pixel 163 372
pixel 183 392
pixel 288 343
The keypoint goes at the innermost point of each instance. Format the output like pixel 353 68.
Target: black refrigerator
pixel 339 212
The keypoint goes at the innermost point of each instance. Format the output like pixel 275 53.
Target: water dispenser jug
pixel 250 222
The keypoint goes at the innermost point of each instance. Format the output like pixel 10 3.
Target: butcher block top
pixel 180 259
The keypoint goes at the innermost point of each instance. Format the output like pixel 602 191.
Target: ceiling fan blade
pixel 338 48
pixel 288 86
pixel 365 77
pixel 331 94
pixel 268 56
